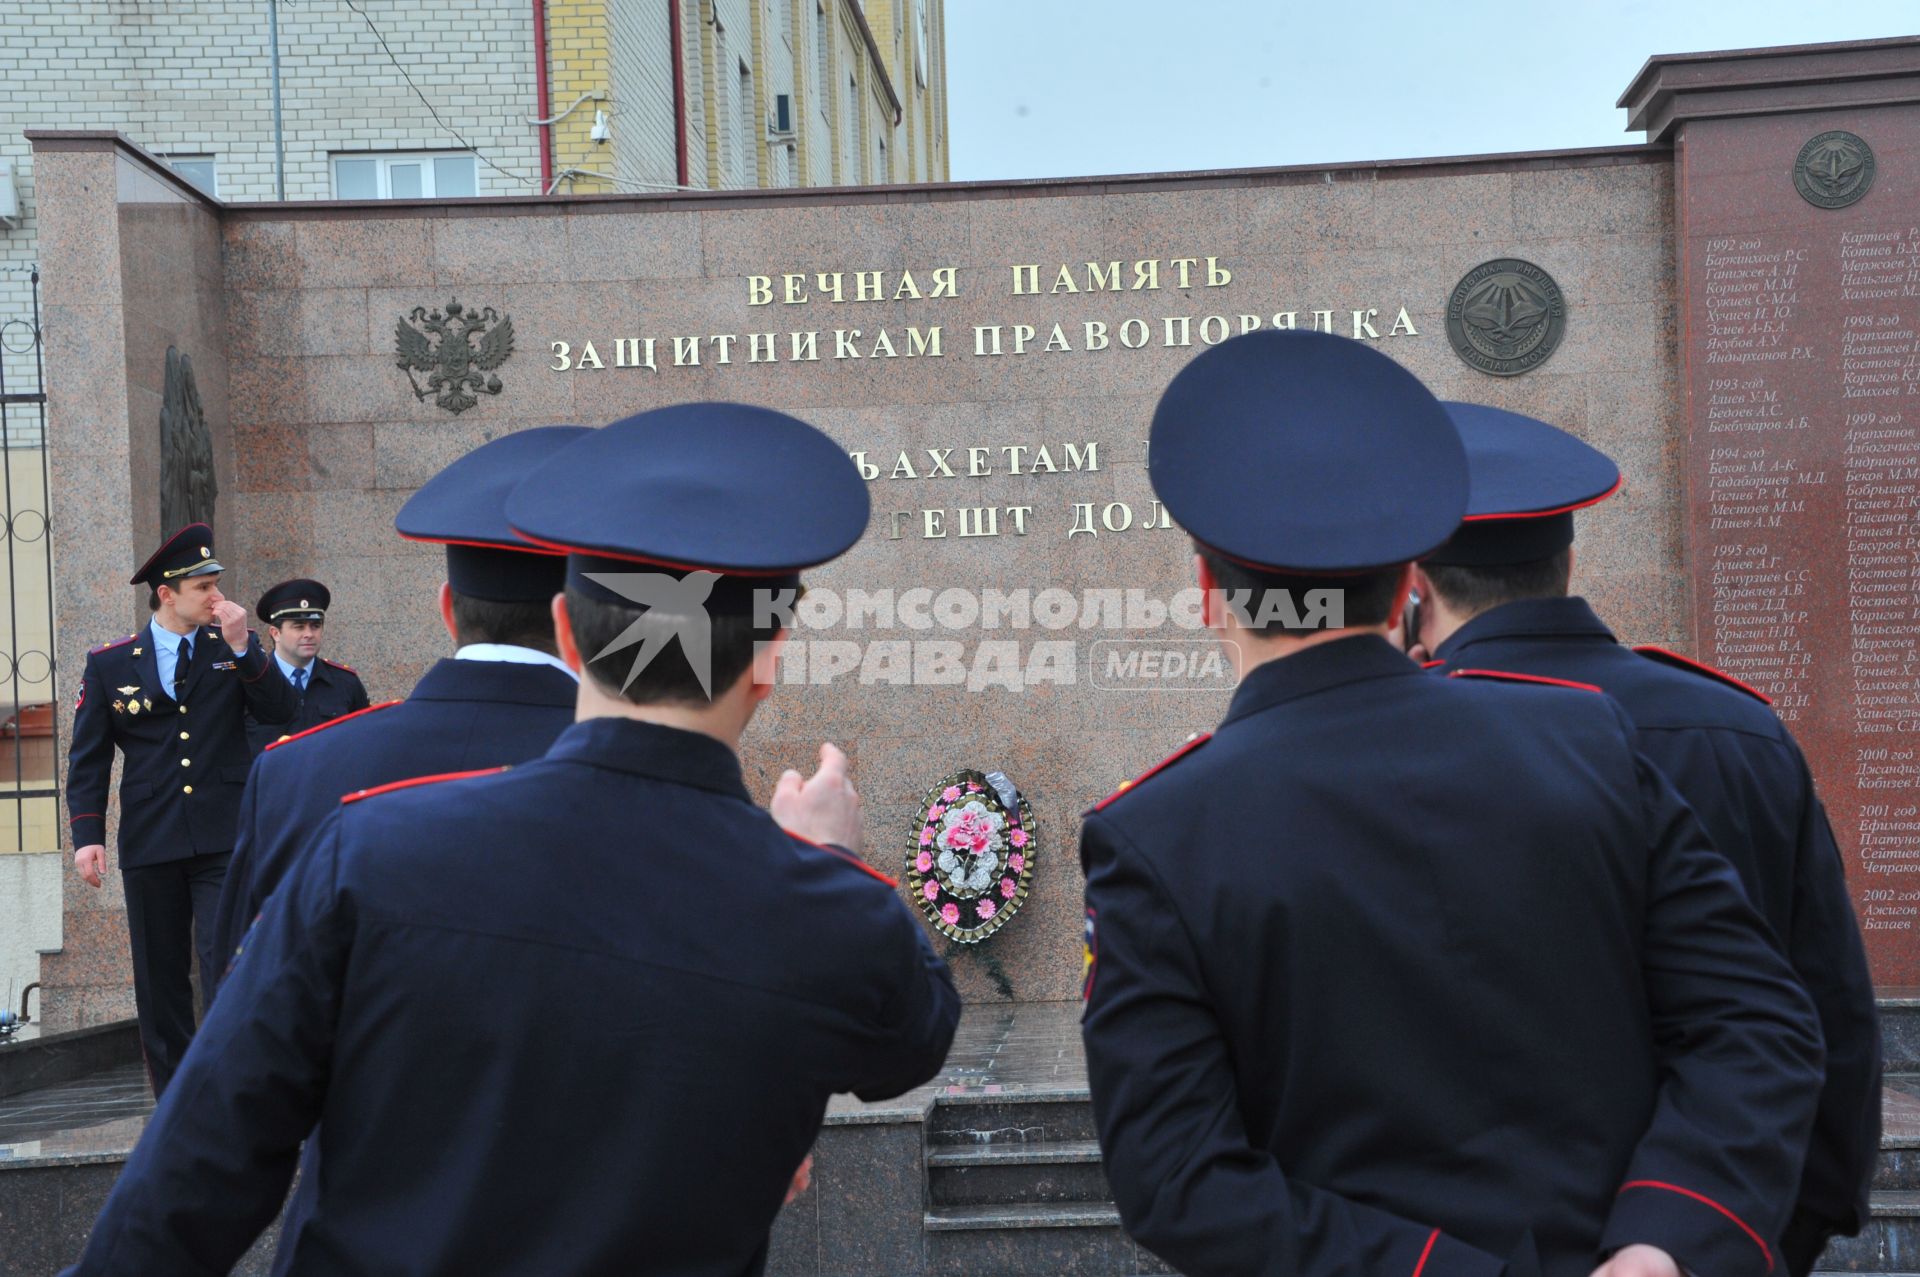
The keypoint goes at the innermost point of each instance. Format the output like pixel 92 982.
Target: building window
pixel 821 82
pixel 198 169
pixel 850 145
pixel 920 41
pixel 745 125
pixel 433 175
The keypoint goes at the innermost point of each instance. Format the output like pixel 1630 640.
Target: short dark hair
pixel 1367 597
pixel 1473 590
pixel 153 599
pixel 519 624
pixel 668 677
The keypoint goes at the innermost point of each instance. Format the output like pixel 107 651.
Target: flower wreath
pixel 970 858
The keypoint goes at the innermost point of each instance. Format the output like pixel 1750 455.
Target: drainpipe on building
pixel 679 95
pixel 541 105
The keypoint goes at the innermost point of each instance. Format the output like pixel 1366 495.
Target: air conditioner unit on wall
pixel 9 196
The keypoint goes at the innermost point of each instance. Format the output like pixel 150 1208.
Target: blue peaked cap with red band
pixel 1304 452
pixel 746 492
pixel 464 507
pixel 1526 478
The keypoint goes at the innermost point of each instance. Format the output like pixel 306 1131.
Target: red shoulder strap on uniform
pixel 330 722
pixel 1512 677
pixel 1198 739
pixel 1427 665
pixel 337 665
pixel 409 783
pixel 109 646
pixel 847 856
pixel 1665 657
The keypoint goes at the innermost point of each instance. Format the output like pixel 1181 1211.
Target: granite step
pixel 1890 1243
pixel 1052 1118
pixel 1044 1172
pixel 1900 1030
pixel 1032 1238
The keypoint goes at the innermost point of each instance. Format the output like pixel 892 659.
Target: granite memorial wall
pixel 990 355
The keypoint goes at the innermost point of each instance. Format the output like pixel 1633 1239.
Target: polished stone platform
pixel 990 1167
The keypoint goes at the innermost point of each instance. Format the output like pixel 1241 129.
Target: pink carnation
pixel 1007 887
pixel 950 913
pixel 923 862
pixel 926 836
pixel 930 890
pixel 986 909
pixel 1016 862
pixel 972 788
pixel 936 811
pixel 1018 838
pixel 950 793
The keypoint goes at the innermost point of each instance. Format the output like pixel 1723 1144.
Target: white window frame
pixel 385 161
pixel 197 157
pixel 921 56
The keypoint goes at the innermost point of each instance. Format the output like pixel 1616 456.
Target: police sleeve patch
pixel 1089 956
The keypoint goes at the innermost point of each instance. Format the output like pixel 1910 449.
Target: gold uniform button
pixel 183 709
pixel 188 789
pixel 183 735
pixel 186 762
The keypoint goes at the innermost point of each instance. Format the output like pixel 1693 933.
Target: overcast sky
pixel 1065 88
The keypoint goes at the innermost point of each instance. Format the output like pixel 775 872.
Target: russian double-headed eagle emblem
pixel 456 349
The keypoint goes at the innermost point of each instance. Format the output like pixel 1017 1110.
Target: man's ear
pixel 563 640
pixel 1407 575
pixel 446 611
pixel 1209 591
pixel 765 670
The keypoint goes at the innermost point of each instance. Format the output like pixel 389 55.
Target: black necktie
pixel 180 664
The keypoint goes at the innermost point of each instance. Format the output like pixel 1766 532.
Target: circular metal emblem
pixel 1833 169
pixel 1506 317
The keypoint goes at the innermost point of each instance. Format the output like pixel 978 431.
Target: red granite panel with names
pixel 1802 350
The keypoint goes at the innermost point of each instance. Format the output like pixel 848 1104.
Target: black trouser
pixel 170 907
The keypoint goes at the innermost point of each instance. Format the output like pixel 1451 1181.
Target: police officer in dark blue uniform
pixel 503 697
pixel 1495 596
pixel 1408 975
pixel 582 1015
pixel 295 613
pixel 173 699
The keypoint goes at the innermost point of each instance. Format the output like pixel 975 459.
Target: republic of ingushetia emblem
pixel 456 350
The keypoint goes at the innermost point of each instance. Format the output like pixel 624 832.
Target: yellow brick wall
pixel 579 60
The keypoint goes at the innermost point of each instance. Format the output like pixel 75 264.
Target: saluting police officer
pixel 1496 597
pixel 503 697
pixel 172 698
pixel 582 1015
pixel 295 613
pixel 1410 975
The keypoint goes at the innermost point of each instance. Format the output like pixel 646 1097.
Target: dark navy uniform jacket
pixel 1397 974
pixel 462 716
pixel 185 762
pixel 582 1016
pixel 1741 771
pixel 332 690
